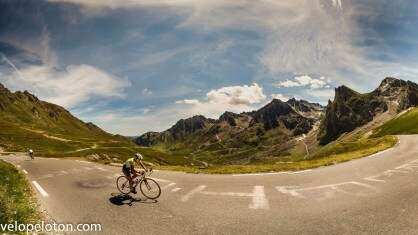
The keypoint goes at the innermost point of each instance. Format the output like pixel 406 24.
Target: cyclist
pixel 129 171
pixel 31 153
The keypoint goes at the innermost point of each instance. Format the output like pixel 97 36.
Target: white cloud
pixel 280 97
pixel 304 81
pixel 186 101
pixel 232 98
pixel 70 87
pixel 237 95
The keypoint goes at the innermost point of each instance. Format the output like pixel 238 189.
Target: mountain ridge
pixel 274 125
pixel 351 109
pixel 268 115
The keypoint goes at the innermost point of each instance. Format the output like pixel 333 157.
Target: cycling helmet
pixel 30 151
pixel 138 156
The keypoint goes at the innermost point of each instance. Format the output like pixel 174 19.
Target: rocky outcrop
pixel 229 117
pixel 189 126
pixel 278 113
pixel 403 93
pixel 304 106
pixel 149 139
pixel 307 109
pixel 351 109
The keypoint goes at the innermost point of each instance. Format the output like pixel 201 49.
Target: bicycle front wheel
pixel 123 185
pixel 150 188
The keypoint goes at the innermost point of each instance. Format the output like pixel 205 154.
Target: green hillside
pixel 405 124
pixel 51 131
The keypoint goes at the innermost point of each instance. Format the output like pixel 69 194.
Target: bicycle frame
pixel 140 177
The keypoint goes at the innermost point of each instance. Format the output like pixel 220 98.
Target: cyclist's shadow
pixel 126 199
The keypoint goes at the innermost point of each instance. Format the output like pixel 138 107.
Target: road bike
pixel 149 187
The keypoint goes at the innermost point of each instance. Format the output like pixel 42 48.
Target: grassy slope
pixel 407 123
pixel 329 155
pixel 19 138
pixel 16 200
pixel 51 131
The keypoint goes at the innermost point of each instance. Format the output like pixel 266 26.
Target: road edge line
pixel 40 189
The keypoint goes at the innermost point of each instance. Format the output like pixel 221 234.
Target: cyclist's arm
pixel 142 165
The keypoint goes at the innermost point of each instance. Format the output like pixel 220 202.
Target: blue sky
pixel 132 66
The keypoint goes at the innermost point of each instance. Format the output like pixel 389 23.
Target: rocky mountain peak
pixel 226 115
pixel 189 125
pixel 3 89
pixel 344 93
pixel 304 106
pixel 277 112
pixel 229 117
pixel 350 109
pixel 30 96
pixel 389 86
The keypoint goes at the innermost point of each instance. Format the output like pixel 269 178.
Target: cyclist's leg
pixel 131 174
pixel 127 173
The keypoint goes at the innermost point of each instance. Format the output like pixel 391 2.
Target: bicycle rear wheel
pixel 150 188
pixel 122 184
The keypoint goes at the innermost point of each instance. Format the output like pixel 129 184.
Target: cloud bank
pixel 232 98
pixel 71 87
pixel 306 81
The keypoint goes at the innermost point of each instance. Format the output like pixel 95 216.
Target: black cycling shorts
pixel 127 170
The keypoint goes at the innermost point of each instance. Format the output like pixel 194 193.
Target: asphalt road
pixel 376 194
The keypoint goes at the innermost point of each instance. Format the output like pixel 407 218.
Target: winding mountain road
pixel 376 194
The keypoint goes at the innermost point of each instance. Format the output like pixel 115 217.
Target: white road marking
pixel 298 172
pixel 192 192
pixel 175 190
pixel 403 169
pixel 253 174
pixel 64 172
pixel 259 199
pixel 288 190
pixel 83 161
pixel 274 173
pixel 381 152
pixel 24 171
pixel 168 185
pixel 373 178
pixel 295 190
pixel 40 189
